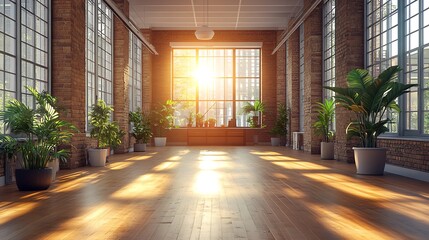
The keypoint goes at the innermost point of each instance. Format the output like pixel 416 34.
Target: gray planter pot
pixel 139 147
pixel 97 157
pixel 327 150
pixel 370 161
pixel 275 141
pixel 160 141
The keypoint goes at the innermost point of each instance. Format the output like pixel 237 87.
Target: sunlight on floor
pixel 150 185
pixel 16 210
pixel 265 153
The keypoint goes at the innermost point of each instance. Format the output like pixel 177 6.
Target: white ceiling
pixel 222 14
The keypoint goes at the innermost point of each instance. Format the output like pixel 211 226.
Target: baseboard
pixel 406 172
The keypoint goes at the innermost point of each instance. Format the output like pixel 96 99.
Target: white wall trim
pixel 406 172
pixel 216 44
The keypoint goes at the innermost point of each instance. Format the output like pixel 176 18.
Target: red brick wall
pixel 402 152
pixel 349 48
pixel 121 75
pixel 68 69
pixel 312 75
pixel 161 71
pixel 293 83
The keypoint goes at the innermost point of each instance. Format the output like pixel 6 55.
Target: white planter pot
pixel 139 147
pixel 55 165
pixel 275 141
pixel 370 161
pixel 97 157
pixel 160 141
pixel 326 150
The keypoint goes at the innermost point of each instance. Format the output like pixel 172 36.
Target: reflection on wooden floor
pixel 218 193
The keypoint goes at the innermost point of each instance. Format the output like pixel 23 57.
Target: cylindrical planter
pixel 327 150
pixel 275 141
pixel 160 141
pixel 370 161
pixel 139 147
pixel 55 165
pixel 33 179
pixel 97 157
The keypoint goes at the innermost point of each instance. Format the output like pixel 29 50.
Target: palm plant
pixel 256 108
pixel 42 127
pixel 369 99
pixel 141 126
pixel 326 111
pixel 107 133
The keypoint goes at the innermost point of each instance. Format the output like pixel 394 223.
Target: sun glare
pixel 203 74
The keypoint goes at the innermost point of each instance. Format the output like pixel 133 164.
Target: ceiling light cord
pixel 204 32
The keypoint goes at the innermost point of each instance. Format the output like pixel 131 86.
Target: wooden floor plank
pixel 253 192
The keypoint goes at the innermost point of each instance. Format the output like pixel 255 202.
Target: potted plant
pixel 199 120
pixel 162 119
pixel 279 131
pixel 326 111
pixel 190 119
pixel 256 109
pixel 140 130
pixel 211 122
pixel 369 99
pixel 42 132
pixel 106 133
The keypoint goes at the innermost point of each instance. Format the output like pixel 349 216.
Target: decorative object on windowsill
pixel 140 129
pixel 369 99
pixel 162 120
pixel 204 32
pixel 43 130
pixel 199 120
pixel 279 131
pixel 190 119
pixel 232 123
pixel 108 134
pixel 211 122
pixel 326 112
pixel 256 109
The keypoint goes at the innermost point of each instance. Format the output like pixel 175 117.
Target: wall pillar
pixel 349 54
pixel 68 70
pixel 312 74
pixel 121 75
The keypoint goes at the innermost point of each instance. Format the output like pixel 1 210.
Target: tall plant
pixel 369 99
pixel 42 127
pixel 280 127
pixel 141 126
pixel 107 133
pixel 326 112
pixel 162 118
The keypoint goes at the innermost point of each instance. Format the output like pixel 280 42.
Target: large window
pixel 99 53
pixel 135 73
pixel 398 33
pixel 215 83
pixel 329 50
pixel 301 78
pixel 24 51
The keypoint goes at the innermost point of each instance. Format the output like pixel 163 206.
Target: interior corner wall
pixel 161 68
pixel 121 46
pixel 349 54
pixel 68 70
pixel 312 75
pixel 292 82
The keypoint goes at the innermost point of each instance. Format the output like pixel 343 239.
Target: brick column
pixel 349 54
pixel 147 73
pixel 121 76
pixel 312 74
pixel 281 72
pixel 68 70
pixel 292 82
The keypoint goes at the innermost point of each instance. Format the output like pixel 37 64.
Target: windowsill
pixel 405 138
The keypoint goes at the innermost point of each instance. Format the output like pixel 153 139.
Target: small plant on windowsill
pixel 257 108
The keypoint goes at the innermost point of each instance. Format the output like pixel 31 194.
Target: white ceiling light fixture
pixel 204 32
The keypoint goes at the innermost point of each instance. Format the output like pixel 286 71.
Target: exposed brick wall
pixel 312 75
pixel 68 69
pixel 121 75
pixel 161 71
pixel 292 87
pixel 147 73
pixel 349 48
pixel 281 72
pixel 402 152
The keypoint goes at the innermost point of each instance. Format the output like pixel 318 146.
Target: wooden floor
pixel 218 193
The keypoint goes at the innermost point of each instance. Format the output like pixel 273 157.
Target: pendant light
pixel 204 32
